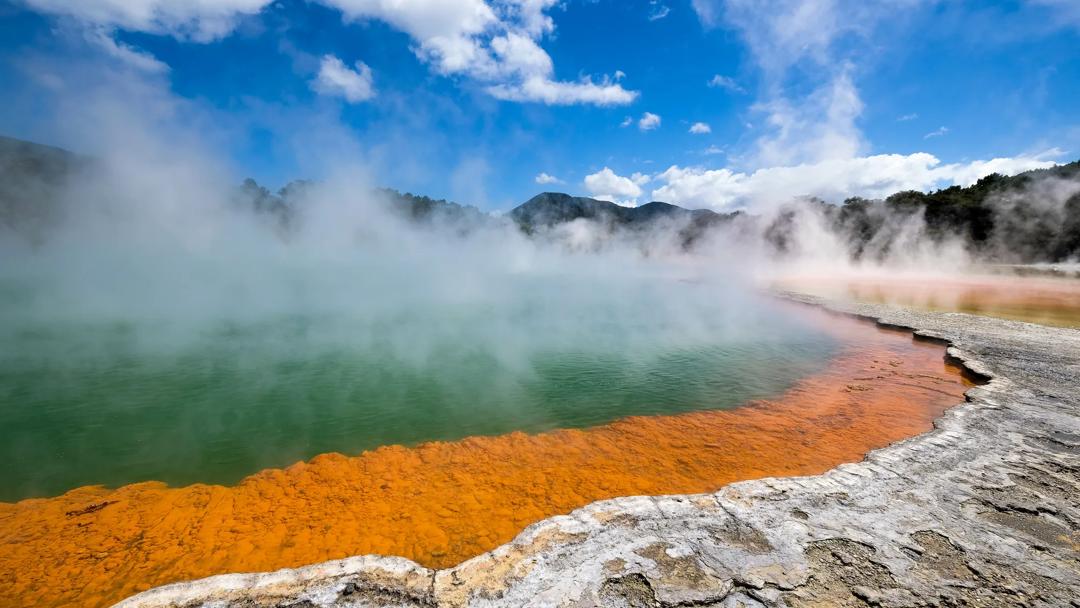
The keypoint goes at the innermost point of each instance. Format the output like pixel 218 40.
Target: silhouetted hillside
pixel 552 208
pixel 285 206
pixel 32 179
pixel 1028 217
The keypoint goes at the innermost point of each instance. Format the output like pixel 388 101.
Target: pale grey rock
pixel 982 511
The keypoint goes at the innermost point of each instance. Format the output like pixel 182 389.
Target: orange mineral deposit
pixel 442 502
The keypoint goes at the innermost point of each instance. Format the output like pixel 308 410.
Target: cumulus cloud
pixel 834 180
pixel 700 128
pixel 517 55
pixel 544 178
pixel 492 41
pixel 337 79
pixel 649 121
pixel 965 174
pixel 607 185
pixel 725 82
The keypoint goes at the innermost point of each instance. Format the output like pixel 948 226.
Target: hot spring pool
pixel 86 399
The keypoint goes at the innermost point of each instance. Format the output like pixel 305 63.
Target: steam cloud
pixel 154 228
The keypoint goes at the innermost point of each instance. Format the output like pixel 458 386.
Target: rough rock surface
pixel 982 511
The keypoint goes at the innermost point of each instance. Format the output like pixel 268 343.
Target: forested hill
pixel 550 209
pixel 286 205
pixel 1029 217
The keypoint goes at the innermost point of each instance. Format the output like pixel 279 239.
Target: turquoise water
pixel 213 397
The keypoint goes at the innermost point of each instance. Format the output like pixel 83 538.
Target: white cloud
pixel 520 55
pixel 811 144
pixel 649 121
pixel 606 185
pixel 784 32
pixel 552 92
pixel 713 149
pixel 530 14
pixel 906 117
pixel 780 33
pixel 965 174
pixel 544 178
pixel 447 31
pixel 658 11
pixel 820 127
pixel 492 41
pixel 725 82
pixel 629 120
pixel 834 180
pixel 337 79
pixel 619 75
pixel 802 35
pixel 936 133
pixel 700 128
pixel 708 11
pixel 202 21
pixel 125 53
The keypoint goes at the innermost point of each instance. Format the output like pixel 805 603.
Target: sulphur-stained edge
pixel 983 510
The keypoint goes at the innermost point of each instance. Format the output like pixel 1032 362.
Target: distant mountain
pixel 286 205
pixel 18 157
pixel 553 208
pixel 32 180
pixel 426 209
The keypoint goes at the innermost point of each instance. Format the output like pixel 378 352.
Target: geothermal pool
pixel 211 400
pixel 812 390
pixel 172 415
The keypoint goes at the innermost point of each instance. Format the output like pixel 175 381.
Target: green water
pixel 212 399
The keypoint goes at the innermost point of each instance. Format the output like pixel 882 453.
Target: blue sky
pixel 490 101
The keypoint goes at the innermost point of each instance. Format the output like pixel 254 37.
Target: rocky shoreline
pixel 984 510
